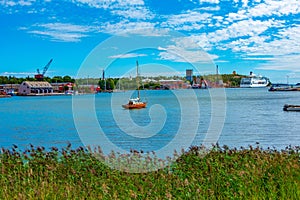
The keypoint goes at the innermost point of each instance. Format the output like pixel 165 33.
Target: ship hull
pixel 135 106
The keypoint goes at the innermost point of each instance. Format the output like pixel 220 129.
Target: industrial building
pixel 35 88
pixel 189 75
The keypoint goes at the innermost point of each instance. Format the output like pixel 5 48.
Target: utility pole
pixel 217 74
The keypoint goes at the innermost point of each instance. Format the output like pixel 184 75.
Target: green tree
pixel 57 79
pixel 66 88
pixel 67 79
pixel 110 84
pixel 47 79
pixel 3 80
pixel 30 78
pixel 101 84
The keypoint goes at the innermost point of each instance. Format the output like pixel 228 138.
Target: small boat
pixel 253 81
pixel 281 87
pixel 287 107
pixel 136 103
pixel 4 94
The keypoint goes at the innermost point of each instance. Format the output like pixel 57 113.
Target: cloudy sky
pixel 262 36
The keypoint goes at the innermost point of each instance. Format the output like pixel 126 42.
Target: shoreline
pixel 5 96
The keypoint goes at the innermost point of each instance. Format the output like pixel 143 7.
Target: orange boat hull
pixel 135 106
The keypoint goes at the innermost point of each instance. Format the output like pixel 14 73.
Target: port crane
pixel 40 76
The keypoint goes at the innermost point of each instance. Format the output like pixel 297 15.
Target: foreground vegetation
pixel 223 173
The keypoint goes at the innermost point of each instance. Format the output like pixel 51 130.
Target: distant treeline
pixel 15 80
pixel 232 80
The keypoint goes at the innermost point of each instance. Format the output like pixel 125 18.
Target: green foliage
pixel 68 79
pixel 222 173
pixel 150 85
pixel 126 84
pixel 232 80
pixel 55 79
pixel 60 79
pixel 87 81
pixel 108 84
pixel 12 80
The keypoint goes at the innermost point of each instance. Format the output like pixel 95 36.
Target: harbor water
pixel 247 116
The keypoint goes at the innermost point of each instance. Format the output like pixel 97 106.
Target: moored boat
pixel 4 94
pixel 253 81
pixel 280 87
pixel 288 107
pixel 135 103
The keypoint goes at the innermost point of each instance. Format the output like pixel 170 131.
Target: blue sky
pixel 242 35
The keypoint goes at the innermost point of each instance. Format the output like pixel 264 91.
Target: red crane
pixel 40 76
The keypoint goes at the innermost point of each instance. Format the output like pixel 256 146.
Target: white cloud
pixel 211 8
pixel 199 42
pixel 133 13
pixel 287 43
pixel 17 73
pixel 179 54
pixel 274 7
pixel 286 62
pixel 248 45
pixel 245 3
pixel 65 27
pixel 125 27
pixel 218 18
pixel 191 20
pixel 259 58
pixel 128 55
pixel 192 48
pixel 110 3
pixel 210 1
pixel 188 17
pixel 134 9
pixel 281 53
pixel 60 31
pixel 58 36
pixel 12 3
pixel 247 28
pixel 240 15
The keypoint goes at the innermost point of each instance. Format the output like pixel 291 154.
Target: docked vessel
pixel 4 94
pixel 287 107
pixel 280 87
pixel 135 103
pixel 253 81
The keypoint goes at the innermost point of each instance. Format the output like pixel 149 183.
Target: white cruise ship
pixel 253 81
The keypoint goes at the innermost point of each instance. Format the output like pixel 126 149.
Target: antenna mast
pixel 137 78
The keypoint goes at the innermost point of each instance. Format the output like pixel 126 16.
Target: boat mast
pixel 137 78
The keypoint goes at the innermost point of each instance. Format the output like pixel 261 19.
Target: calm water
pixel 252 115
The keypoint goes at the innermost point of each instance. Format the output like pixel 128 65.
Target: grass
pixel 223 173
